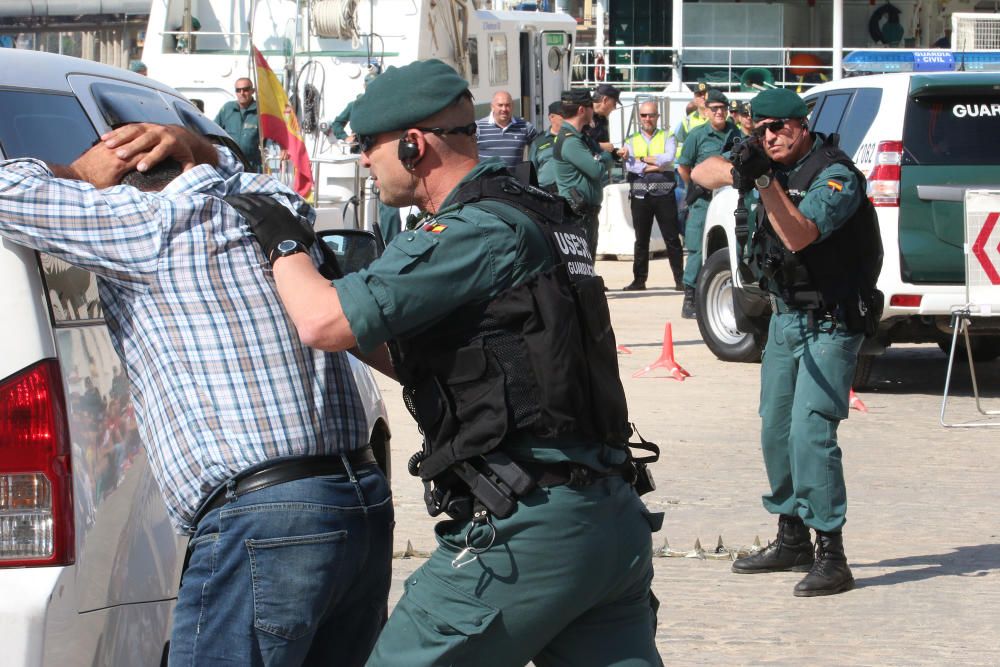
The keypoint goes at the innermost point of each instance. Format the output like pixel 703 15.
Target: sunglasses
pixel 774 126
pixel 716 108
pixel 245 89
pixel 366 142
pixel 649 115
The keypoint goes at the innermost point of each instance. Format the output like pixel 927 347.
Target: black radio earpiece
pixel 408 152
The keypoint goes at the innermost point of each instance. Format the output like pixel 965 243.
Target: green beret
pixel 701 88
pixel 401 97
pixel 778 103
pixel 716 97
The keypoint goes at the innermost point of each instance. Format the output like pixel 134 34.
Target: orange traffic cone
pixel 666 359
pixel 624 350
pixel 856 403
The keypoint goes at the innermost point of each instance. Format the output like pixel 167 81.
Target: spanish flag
pixel 279 124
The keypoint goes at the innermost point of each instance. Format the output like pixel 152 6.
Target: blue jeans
pixel 294 574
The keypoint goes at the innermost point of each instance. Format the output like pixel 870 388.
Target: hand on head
pixel 101 167
pixel 146 144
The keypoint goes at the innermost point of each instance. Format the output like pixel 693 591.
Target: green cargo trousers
pixel 694 228
pixel 566 582
pixel 805 382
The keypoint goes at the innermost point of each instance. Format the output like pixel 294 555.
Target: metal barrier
pixel 638 68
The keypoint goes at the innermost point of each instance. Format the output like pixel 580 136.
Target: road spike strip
pixel 624 350
pixel 857 403
pixel 666 360
pixel 410 551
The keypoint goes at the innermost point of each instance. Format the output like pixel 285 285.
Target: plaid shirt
pixel 220 381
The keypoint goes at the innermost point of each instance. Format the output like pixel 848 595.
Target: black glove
pixel 271 223
pixel 749 161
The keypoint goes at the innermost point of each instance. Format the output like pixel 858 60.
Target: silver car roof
pixel 36 70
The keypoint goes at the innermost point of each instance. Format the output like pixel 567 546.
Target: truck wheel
pixel 863 372
pixel 716 320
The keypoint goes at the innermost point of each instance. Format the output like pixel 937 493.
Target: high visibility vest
pixel 656 145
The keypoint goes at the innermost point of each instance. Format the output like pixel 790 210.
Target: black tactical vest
pixel 835 275
pixel 540 358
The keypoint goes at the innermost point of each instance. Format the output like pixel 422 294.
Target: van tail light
pixel 905 300
pixel 883 184
pixel 36 489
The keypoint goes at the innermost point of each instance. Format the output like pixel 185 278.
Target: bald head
pixel 649 116
pixel 502 107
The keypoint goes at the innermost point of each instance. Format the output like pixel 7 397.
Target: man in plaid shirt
pixel 258 443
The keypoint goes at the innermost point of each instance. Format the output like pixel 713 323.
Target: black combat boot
pixel 687 309
pixel 792 550
pixel 636 285
pixel 829 574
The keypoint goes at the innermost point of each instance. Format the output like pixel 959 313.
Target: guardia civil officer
pixel 713 138
pixel 816 251
pixel 649 164
pixel 508 361
pixel 581 167
pixel 694 118
pixel 540 153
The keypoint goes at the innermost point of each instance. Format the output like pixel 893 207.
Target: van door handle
pixel 949 192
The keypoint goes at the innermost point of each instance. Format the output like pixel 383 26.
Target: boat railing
pixel 732 69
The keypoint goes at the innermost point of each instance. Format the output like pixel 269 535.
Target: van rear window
pixel 50 127
pixel 952 129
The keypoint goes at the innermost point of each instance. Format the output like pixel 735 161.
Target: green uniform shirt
pixel 463 254
pixel 833 196
pixel 704 141
pixel 338 124
pixel 690 122
pixel 244 127
pixel 578 168
pixel 540 155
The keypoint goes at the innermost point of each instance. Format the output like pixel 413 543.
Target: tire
pixel 716 318
pixel 863 372
pixel 984 348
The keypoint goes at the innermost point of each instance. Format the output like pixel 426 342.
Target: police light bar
pixel 931 60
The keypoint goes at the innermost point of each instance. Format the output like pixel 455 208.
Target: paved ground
pixel 922 537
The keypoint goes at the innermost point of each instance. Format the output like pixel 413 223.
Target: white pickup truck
pixel 919 139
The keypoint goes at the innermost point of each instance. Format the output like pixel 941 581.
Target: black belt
pixel 281 471
pixel 547 475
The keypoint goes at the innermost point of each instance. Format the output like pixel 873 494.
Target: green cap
pixel 716 97
pixel 401 97
pixel 778 103
pixel 577 96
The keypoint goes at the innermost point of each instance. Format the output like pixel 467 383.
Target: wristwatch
pixel 762 181
pixel 286 248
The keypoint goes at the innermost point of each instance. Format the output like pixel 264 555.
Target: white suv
pixel 89 563
pixel 911 134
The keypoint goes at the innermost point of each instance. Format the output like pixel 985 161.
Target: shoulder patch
pixel 435 227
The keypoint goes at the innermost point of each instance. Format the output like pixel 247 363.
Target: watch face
pixel 287 246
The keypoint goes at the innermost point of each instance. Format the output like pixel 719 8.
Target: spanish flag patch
pixel 834 185
pixel 435 227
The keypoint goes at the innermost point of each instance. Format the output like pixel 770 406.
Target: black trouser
pixel 664 209
pixel 589 221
